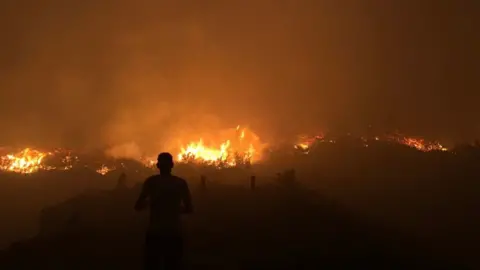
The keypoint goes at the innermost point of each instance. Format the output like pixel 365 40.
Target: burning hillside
pixel 306 143
pixel 31 160
pixel 419 144
pixel 233 147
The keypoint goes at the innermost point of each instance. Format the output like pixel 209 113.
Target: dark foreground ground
pixel 273 227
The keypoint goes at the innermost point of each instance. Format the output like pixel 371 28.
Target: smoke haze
pixel 90 73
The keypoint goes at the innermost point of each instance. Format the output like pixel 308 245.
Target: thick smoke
pixel 108 73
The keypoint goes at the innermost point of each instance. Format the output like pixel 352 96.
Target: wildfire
pixel 30 160
pixel 305 143
pixel 234 147
pixel 231 152
pixel 420 144
pixel 104 169
pixel 26 161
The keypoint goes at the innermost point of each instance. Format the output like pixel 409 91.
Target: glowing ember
pixel 26 161
pixel 104 169
pixel 231 152
pixel 305 143
pixel 420 144
pixel 66 159
pixel 149 162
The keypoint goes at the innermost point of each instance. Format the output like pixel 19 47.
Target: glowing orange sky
pixel 95 72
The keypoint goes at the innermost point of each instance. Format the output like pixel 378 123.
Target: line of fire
pixel 241 148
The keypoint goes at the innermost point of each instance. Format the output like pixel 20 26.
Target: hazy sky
pixel 88 73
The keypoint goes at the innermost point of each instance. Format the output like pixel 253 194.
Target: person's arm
pixel 186 199
pixel 142 198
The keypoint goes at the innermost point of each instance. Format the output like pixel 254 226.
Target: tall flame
pixel 230 152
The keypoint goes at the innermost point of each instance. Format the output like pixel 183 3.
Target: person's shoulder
pixel 151 178
pixel 179 179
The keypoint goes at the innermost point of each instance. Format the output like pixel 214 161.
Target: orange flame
pixel 104 169
pixel 29 161
pixel 421 144
pixel 306 142
pixel 26 161
pixel 238 146
pixel 231 152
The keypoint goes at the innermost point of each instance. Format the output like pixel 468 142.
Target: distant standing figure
pixel 168 197
pixel 122 181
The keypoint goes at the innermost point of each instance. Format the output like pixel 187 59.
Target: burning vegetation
pixel 242 149
pixel 26 161
pixel 104 169
pixel 419 144
pixel 306 143
pixel 238 147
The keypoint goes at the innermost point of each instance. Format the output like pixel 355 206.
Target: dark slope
pixel 233 228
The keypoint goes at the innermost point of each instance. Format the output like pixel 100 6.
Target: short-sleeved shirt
pixel 166 194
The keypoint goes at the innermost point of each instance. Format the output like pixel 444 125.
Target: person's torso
pixel 165 194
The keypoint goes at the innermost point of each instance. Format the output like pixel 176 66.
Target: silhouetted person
pixel 122 181
pixel 168 197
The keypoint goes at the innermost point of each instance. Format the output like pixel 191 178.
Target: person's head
pixel 165 162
